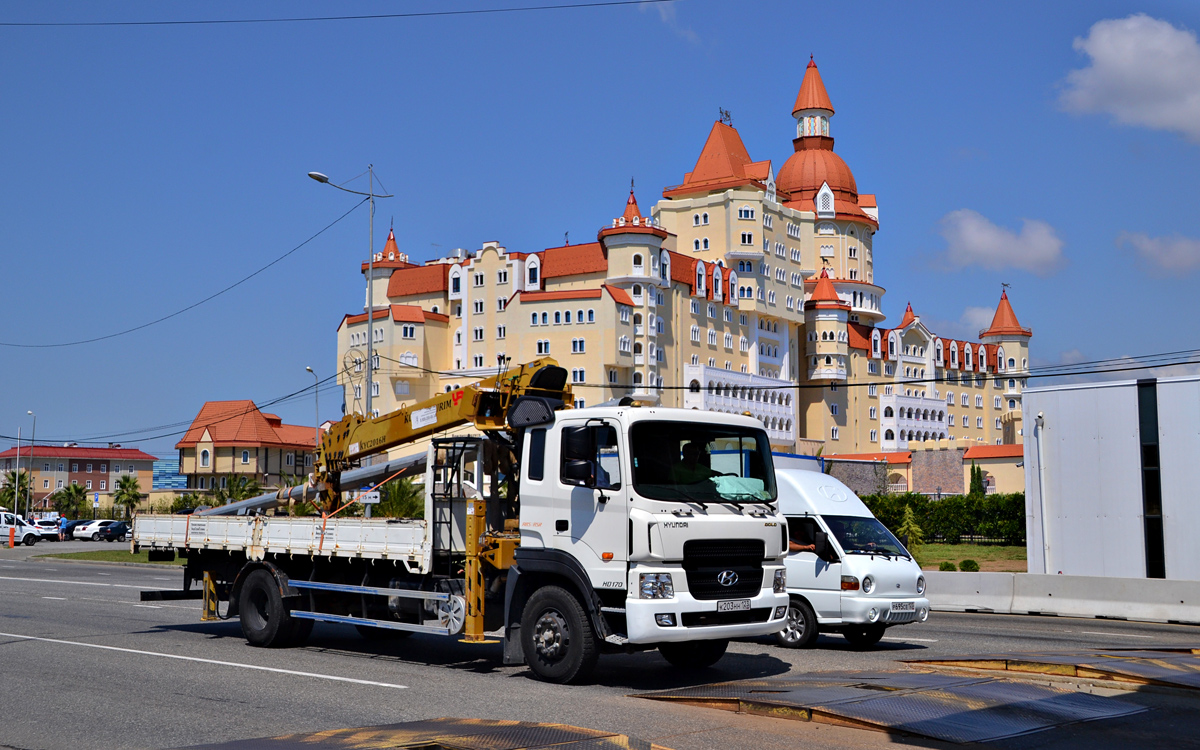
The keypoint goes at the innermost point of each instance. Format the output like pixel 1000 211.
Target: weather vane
pixel 1005 285
pixel 566 238
pixel 725 116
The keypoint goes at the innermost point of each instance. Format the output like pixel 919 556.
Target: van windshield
pixel 702 463
pixel 865 536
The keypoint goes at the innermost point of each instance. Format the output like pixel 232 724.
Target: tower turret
pixel 825 319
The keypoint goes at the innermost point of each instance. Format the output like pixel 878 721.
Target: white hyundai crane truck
pixel 568 532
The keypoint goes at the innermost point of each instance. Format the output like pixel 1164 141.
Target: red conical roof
pixel 824 293
pixel 391 247
pixel 631 209
pixel 1005 322
pixel 812 91
pixel 909 317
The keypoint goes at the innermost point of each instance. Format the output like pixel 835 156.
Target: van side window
pixel 537 455
pixel 802 530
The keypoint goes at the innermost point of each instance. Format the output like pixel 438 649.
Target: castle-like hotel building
pixel 743 290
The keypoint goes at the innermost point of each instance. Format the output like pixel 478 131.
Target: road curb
pixel 52 558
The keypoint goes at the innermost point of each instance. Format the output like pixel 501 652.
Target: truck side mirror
pixel 821 542
pixel 578 472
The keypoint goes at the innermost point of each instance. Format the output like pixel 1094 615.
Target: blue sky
pixel 1050 146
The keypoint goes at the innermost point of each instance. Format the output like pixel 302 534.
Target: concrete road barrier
pixel 1147 600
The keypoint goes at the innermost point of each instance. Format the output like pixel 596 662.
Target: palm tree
pixel 19 481
pixel 237 487
pixel 69 500
pixel 128 494
pixel 401 499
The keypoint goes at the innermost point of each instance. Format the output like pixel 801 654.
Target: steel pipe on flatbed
pixel 364 475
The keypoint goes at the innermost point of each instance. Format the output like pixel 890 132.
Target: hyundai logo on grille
pixel 727 578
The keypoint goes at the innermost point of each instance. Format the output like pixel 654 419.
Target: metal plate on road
pixel 904 606
pixel 734 605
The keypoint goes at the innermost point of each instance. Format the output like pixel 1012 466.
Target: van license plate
pixel 904 606
pixel 737 605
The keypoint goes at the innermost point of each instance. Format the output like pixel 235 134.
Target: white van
pixel 23 533
pixel 859 581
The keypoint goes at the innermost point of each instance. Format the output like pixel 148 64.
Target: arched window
pixel 717 284
pixel 887 411
pixel 1012 403
pixel 828 361
pixel 204 457
pixel 557 317
pixel 638 265
pixel 1012 362
pixel 699 278
pixel 533 319
pixel 533 274
pixel 704 218
pixel 637 319
pixel 695 220
pixel 889 435
pixel 696 244
pixel 939 352
pixel 637 290
pixel 664 265
pixel 705 243
pixel 637 378
pixel 892 346
pixel 245 456
pixel 694 386
pixel 637 348
pixel 545 319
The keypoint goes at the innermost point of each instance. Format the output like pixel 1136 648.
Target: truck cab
pixel 667 525
pixel 857 579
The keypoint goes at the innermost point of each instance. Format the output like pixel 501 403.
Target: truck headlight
pixel 656 586
pixel 920 584
pixel 780 585
pixel 868 585
pixel 849 583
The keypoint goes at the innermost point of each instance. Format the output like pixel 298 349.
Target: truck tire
pixel 557 637
pixel 864 636
pixel 693 654
pixel 265 620
pixel 800 628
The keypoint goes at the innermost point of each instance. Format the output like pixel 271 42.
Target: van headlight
pixel 780 585
pixel 920 584
pixel 868 585
pixel 656 586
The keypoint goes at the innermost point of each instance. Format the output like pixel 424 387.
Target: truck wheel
pixel 381 634
pixel 864 636
pixel 800 628
pixel 265 621
pixel 557 637
pixel 693 654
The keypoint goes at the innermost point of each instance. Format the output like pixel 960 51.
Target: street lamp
pixel 29 487
pixel 317 401
pixel 371 195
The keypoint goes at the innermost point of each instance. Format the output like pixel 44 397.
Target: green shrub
pixel 968 566
pixel 954 516
pixel 947 566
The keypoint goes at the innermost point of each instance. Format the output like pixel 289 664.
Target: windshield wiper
pixel 703 505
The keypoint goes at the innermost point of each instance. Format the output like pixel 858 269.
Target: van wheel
pixel 30 540
pixel 557 637
pixel 800 627
pixel 864 636
pixel 693 654
pixel 265 620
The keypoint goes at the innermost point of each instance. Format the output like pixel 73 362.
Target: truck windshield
pixel 859 535
pixel 698 462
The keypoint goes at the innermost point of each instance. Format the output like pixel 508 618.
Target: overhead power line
pixel 192 306
pixel 313 19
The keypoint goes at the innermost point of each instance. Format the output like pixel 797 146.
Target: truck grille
pixel 709 619
pixel 704 562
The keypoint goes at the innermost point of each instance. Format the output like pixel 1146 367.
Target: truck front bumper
pixel 701 619
pixel 857 610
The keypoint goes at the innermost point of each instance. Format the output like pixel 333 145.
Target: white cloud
pixel 1174 254
pixel 1143 71
pixel 667 14
pixel 966 328
pixel 972 240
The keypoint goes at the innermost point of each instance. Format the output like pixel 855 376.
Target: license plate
pixel 737 605
pixel 904 606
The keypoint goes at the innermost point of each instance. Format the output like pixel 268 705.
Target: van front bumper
pixel 856 610
pixel 699 619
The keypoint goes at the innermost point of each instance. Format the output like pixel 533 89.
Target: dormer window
pixel 533 275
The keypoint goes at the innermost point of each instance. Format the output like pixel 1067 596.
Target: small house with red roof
pixel 235 438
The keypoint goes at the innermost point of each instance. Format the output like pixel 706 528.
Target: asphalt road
pixel 86 664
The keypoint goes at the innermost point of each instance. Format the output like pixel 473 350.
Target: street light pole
pixel 371 196
pixel 317 401
pixel 32 443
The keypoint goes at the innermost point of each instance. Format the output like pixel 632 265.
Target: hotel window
pixel 501 304
pixel 502 277
pixel 557 317
pixel 704 219
pixel 873 412
pixel 577 376
pixel 401 387
pixel 591 316
pixel 577 346
pixel 979 422
pixel 500 330
pixel 833 434
pixel 996 402
pixel 357 395
pixel 103 484
pixel 478 279
pixel 290 460
pixel 245 457
pixel 747 238
pixel 477 334
pixel 745 212
pixel 477 360
pixel 979 402
pixel 374 389
pixel 624 314
pixel 695 220
pixel 966 400
pixel 966 421
pixel 533 275
pixel 872 389
pixel 612 376
pixel 545 319
pixel 997 423
pixel 874 436
pixel 833 409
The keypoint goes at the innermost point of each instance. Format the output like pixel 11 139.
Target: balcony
pixel 768 400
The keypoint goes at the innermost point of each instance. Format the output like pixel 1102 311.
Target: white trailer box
pixel 1110 478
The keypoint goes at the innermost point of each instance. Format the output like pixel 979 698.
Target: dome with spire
pixel 632 222
pixel 1004 322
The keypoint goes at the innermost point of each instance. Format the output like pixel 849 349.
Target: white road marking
pixel 918 640
pixel 104 574
pixel 161 579
pixel 147 606
pixel 56 598
pixel 1119 635
pixel 77 583
pixel 254 667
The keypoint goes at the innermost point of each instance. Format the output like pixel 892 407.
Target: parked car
pixel 114 532
pixel 852 576
pixel 69 529
pixel 23 532
pixel 90 529
pixel 48 528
